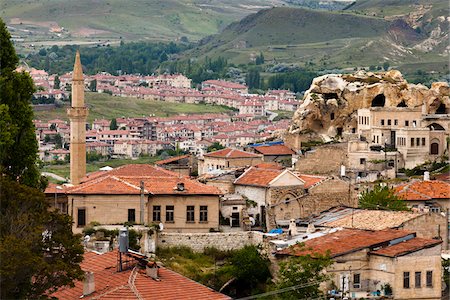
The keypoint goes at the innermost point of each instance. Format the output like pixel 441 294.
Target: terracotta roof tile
pixel 406 247
pixel 424 190
pixel 345 241
pixel 269 165
pixel 274 150
pixel 172 159
pixel 258 177
pixel 231 153
pixel 310 180
pixel 110 284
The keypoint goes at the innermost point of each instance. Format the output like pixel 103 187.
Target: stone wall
pixel 220 240
pixel 325 159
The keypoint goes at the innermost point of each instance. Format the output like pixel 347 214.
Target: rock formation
pixel 330 105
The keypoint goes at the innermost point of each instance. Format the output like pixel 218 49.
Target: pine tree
pixel 18 145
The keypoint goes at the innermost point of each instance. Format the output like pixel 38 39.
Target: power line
pixel 283 290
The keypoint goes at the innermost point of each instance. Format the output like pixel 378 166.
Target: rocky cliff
pixel 330 105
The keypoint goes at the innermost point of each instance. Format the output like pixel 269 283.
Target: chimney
pixel 180 186
pixel 311 228
pixel 292 227
pixel 151 269
pixel 88 283
pixel 426 176
pixel 342 170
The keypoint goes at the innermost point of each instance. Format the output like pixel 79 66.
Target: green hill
pixel 324 40
pixel 109 107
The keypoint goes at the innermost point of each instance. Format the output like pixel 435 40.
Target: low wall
pixel 220 240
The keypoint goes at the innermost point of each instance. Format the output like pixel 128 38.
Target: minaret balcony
pixel 77 112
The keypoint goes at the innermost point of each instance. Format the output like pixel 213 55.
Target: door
pixel 235 219
pixel 393 139
pixel 434 148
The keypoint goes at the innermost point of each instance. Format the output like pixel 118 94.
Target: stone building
pixel 365 262
pixel 183 164
pixel 276 153
pixel 144 194
pixel 426 195
pixel 227 159
pixel 426 224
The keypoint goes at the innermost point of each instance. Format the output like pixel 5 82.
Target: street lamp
pixel 56 193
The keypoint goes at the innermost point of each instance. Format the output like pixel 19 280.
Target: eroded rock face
pixel 330 105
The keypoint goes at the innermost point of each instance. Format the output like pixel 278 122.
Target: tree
pixel 57 83
pixel 18 145
pixel 259 59
pixel 381 198
pixel 58 141
pixel 304 270
pixel 39 251
pixel 386 65
pixel 113 125
pixel 214 147
pixel 253 79
pixel 93 85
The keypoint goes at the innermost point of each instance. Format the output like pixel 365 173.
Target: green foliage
pixel 214 147
pixel 57 83
pixel 130 58
pixel 253 79
pixel 93 85
pixel 259 59
pixel 297 81
pixel 93 156
pixel 18 145
pixel 446 267
pixel 301 270
pixel 113 125
pixel 39 251
pixel 382 198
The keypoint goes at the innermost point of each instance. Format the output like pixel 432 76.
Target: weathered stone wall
pixel 326 159
pixel 220 240
pixel 330 193
pixel 431 225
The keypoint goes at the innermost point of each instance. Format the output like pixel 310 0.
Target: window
pixel 131 215
pixel 169 213
pixel 382 122
pixel 406 280
pixel 156 213
pixel 389 122
pixel 423 141
pixel 203 213
pixel 417 279
pixel 81 217
pixel 356 281
pixel 406 123
pixel 332 116
pixel 417 142
pixel 429 278
pixel 395 122
pixel 362 161
pixel 190 213
pixel 412 142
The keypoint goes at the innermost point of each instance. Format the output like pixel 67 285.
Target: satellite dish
pixel 252 221
pixel 161 226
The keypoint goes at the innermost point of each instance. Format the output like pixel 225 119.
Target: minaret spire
pixel 77 114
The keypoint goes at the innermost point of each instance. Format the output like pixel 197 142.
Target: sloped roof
pixel 269 165
pixel 134 283
pixel 372 219
pixel 424 190
pixel 345 241
pixel 406 247
pixel 311 180
pixel 231 153
pixel 172 159
pixel 260 176
pixel 126 180
pixel 274 150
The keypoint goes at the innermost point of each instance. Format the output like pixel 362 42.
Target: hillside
pixel 328 40
pixel 109 107
pixel 88 21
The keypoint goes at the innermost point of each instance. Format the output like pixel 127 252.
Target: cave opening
pixel 402 104
pixel 329 96
pixel 379 101
pixel 441 109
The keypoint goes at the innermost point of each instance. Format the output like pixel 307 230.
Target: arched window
pixel 434 148
pixel 379 101
pixel 436 127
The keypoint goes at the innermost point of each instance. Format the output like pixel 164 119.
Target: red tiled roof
pixel 51 189
pixel 134 283
pixel 269 165
pixel 258 177
pixel 424 190
pixel 406 247
pixel 231 153
pixel 274 150
pixel 310 180
pixel 344 241
pixel 172 159
pixel 443 177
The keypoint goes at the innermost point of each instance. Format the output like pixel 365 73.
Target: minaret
pixel 77 115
